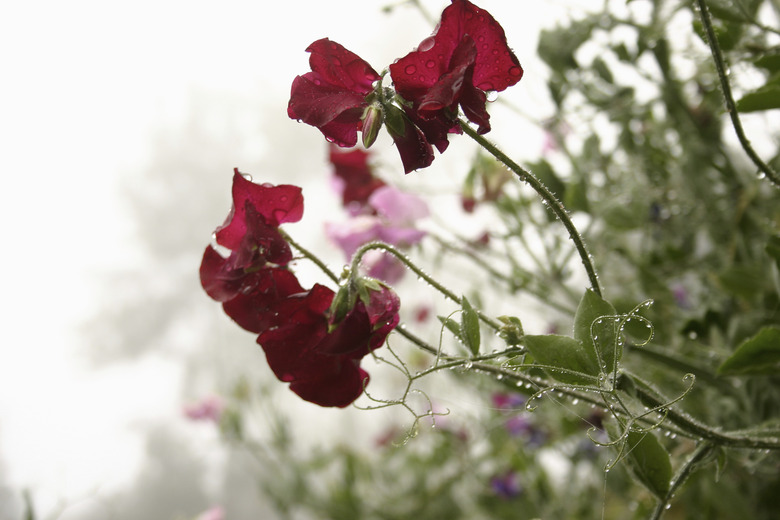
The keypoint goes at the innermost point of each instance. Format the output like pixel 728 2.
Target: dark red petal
pixel 415 150
pixel 435 129
pixel 256 311
pixel 261 243
pixel 473 100
pixel 338 387
pixel 359 181
pixel 446 92
pixel 339 67
pixel 496 66
pixel 277 205
pixel 219 282
pixel 334 110
pixel 301 325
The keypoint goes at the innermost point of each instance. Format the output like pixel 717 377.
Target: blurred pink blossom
pixel 214 513
pixel 394 223
pixel 207 409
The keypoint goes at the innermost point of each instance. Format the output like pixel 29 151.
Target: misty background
pixel 121 125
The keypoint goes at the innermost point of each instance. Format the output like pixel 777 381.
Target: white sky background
pixel 88 90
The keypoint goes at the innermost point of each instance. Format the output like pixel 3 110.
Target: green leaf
pixel 764 98
pixel 743 280
pixel 649 461
pixel 759 355
pixel 734 11
pixel 773 249
pixel 601 68
pixel 597 336
pixel 564 353
pixel 769 61
pixel 469 326
pixel 545 173
pixel 395 120
pixel 557 46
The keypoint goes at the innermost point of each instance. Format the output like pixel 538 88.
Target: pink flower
pixel 214 513
pixel 396 216
pixel 207 409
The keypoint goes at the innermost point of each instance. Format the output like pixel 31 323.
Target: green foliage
pixel 759 355
pixel 595 329
pixel 563 358
pixel 469 326
pixel 649 461
pixel 674 214
pixel 766 97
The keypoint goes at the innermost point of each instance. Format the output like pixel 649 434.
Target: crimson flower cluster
pixel 465 57
pixel 305 343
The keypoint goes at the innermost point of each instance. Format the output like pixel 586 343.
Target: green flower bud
pixel 372 122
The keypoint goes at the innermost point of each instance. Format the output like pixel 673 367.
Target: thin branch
pixel 731 106
pixel 547 197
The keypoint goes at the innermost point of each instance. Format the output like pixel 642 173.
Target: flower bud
pixel 372 122
pixel 342 304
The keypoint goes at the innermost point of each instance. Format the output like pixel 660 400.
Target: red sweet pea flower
pixel 466 56
pixel 253 277
pixel 355 178
pixel 332 96
pixel 322 367
pixel 251 233
pixel 303 343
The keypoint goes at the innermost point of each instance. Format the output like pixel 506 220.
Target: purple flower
pixel 506 485
pixel 508 401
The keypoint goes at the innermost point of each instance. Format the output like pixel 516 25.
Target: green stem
pixel 695 429
pixel 731 106
pixel 547 196
pixel 419 272
pixel 700 453
pixel 308 254
pixel 484 264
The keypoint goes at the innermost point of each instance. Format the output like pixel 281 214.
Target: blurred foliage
pixel 674 213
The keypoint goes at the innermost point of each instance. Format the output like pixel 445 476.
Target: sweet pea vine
pixel 307 345
pixel 466 56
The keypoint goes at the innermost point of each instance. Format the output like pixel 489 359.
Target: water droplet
pixel 247 176
pixel 515 71
pixel 492 95
pixel 430 64
pixel 410 69
pixel 426 44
